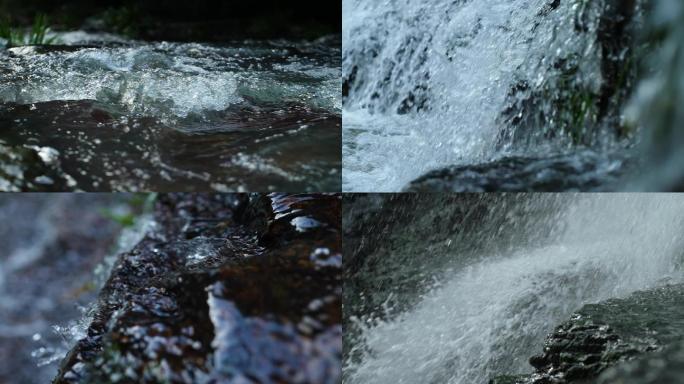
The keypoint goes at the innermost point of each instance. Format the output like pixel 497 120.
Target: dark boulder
pixel 580 171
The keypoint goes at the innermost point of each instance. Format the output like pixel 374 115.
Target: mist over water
pixel 487 318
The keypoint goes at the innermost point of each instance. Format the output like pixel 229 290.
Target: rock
pixel 554 173
pixel 664 367
pixel 225 288
pixel 519 379
pixel 603 336
pixel 579 111
pixel 30 168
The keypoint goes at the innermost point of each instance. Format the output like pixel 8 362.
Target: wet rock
pixel 554 173
pixel 646 327
pixel 579 109
pixel 519 379
pixel 30 168
pixel 575 351
pixel 663 367
pixel 226 288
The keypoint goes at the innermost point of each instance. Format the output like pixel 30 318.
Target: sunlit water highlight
pixel 127 115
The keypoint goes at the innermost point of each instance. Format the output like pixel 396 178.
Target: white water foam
pixel 462 58
pixel 488 319
pixel 170 80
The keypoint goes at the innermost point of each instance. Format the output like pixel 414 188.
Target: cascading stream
pixel 489 318
pixel 428 84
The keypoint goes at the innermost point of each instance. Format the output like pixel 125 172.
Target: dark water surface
pixel 131 116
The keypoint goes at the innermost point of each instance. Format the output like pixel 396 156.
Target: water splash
pixel 69 335
pixel 243 354
pixel 430 85
pixel 134 116
pixel 168 80
pixel 488 318
pixel 128 238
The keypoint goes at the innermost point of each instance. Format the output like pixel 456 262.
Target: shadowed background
pixel 199 20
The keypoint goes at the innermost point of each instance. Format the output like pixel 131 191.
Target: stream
pixel 102 113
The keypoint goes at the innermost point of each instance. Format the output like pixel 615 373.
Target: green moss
pixel 124 219
pixel 137 204
pixel 581 112
pixel 8 33
pixel 142 201
pixel 573 105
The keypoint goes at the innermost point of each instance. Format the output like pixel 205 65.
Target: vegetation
pixel 123 20
pixel 37 35
pixel 134 206
pixel 124 219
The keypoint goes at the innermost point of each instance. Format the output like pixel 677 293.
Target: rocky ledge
pixel 223 288
pixel 630 340
pixel 558 173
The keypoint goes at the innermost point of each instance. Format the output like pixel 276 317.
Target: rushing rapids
pixel 100 113
pixel 458 91
pixel 473 298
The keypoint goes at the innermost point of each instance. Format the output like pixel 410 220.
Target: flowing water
pixel 59 240
pixel 486 317
pixel 103 113
pixel 434 84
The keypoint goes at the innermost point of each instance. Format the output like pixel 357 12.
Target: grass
pixel 37 35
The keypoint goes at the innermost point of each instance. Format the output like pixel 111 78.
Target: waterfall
pixel 488 318
pixel 429 84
